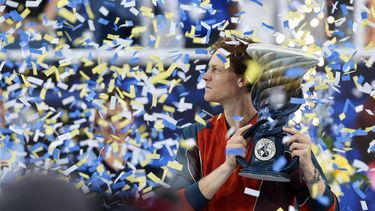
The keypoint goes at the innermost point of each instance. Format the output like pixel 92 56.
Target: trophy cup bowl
pixel 277 80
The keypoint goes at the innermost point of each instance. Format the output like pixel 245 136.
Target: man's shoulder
pixel 192 130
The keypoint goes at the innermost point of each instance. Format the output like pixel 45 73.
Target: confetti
pixel 252 192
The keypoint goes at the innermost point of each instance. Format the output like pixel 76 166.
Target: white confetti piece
pixel 13 87
pixel 33 3
pixel 134 11
pixel 62 85
pixel 91 25
pixel 364 205
pixel 79 17
pixel 34 80
pixel 112 104
pixel 12 3
pixel 369 112
pixel 360 165
pixel 104 11
pixel 359 108
pixel 70 170
pixel 252 192
pixel 68 100
pixel 128 4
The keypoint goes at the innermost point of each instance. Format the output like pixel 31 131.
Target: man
pixel 209 179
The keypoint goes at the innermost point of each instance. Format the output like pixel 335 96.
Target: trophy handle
pixel 293 164
pixel 240 160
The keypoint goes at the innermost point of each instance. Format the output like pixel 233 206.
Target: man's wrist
pixel 315 178
pixel 227 168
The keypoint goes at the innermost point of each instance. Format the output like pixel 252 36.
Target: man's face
pixel 221 84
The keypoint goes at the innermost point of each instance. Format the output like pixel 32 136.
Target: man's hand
pixel 236 142
pixel 300 145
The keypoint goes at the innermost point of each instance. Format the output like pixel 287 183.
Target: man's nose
pixel 206 75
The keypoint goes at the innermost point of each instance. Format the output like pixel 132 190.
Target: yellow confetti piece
pixel 138 30
pixel 169 109
pixel 111 85
pixel 131 93
pixel 342 116
pixel 148 189
pixel 69 16
pixel 199 40
pixel 81 162
pixel 153 177
pixel 175 165
pixel 199 120
pixel 280 209
pixel 145 162
pixel 79 185
pixel 152 156
pixel 43 93
pixel 163 75
pixel 157 42
pixel 99 69
pixel 190 34
pixel 27 84
pixel 100 169
pixel 321 86
pixel 50 71
pixel 25 13
pixel 48 130
pixel 90 14
pixel 113 37
pixel 146 11
pixel 62 3
pixel 314 190
pixel 349 130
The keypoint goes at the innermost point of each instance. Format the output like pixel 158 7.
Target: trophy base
pixel 265 175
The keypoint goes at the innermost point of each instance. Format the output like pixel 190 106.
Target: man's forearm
pixel 211 183
pixel 318 187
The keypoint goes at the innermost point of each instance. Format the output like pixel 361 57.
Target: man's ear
pixel 241 82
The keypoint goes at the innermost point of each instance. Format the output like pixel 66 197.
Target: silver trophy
pixel 279 82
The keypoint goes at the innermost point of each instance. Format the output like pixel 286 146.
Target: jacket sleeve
pixel 328 201
pixel 185 182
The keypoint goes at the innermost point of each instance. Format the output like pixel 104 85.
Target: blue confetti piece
pixel 36 51
pixel 248 33
pixel 358 190
pixel 361 79
pixel 234 151
pixel 103 21
pixel 118 185
pixel 324 200
pixel 221 57
pixel 56 154
pixel 258 2
pixel 201 51
pixel 364 15
pixel 267 26
pixel 294 100
pixel 169 125
pixel 344 10
pixel 114 58
pixel 279 164
pixel 286 24
pixel 345 77
pixel 237 118
pixel 294 72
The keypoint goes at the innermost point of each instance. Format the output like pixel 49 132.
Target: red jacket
pixel 209 153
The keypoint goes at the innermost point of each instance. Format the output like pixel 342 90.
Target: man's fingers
pixel 290 130
pixel 243 129
pixel 297 146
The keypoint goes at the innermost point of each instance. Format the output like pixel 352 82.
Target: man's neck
pixel 242 108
